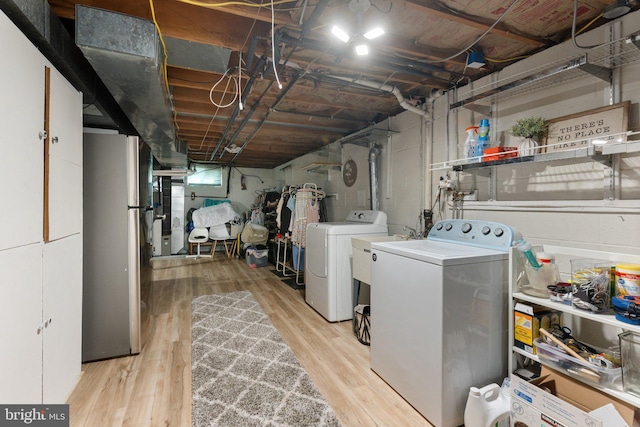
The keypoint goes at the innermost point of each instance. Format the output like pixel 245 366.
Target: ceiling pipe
pixel 262 64
pixel 278 37
pixel 318 128
pixel 386 88
pixel 374 154
pixel 290 86
pixel 246 118
pixel 236 110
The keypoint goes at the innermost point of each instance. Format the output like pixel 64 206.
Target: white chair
pixel 198 235
pixel 219 233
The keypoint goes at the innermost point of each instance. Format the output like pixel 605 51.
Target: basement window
pixel 206 175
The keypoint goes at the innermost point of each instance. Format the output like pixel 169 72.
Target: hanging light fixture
pixel 358 7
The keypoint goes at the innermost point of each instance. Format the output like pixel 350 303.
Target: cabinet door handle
pixel 54 140
pixel 42 134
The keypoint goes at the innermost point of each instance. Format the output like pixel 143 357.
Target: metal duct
pixel 127 54
pixel 374 153
pixel 46 32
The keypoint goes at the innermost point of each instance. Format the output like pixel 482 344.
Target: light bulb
pixel 362 49
pixel 340 34
pixel 374 33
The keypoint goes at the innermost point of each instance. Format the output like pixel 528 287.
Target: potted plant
pixel 532 129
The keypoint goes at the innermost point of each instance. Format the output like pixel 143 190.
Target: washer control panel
pixel 368 217
pixel 485 234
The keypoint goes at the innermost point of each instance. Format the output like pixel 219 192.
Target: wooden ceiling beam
pixel 296 95
pixel 330 123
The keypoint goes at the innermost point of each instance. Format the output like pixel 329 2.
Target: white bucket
pixel 487 407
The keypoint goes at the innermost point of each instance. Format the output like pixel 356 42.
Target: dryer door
pixel 316 250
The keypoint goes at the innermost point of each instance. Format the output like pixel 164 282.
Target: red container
pixel 499 153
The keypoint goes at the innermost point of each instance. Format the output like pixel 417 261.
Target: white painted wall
pixel 256 180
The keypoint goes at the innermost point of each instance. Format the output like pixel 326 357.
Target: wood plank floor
pixel 154 387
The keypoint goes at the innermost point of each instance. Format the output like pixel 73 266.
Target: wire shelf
pixel 598 61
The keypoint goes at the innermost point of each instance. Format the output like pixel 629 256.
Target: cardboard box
pixel 528 318
pixel 257 257
pixel 555 399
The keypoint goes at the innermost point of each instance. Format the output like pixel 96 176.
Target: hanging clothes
pixel 285 215
pixel 306 212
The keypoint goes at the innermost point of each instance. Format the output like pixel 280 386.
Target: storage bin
pixel 257 257
pixel 591 284
pixel 539 279
pixel 630 353
pixel 556 358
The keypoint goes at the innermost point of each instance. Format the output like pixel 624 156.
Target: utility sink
pixel 362 254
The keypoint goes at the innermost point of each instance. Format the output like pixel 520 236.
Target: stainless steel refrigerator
pixel 111 270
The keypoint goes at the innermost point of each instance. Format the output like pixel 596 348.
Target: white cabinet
pixel 586 326
pixel 65 158
pixel 62 314
pixel 21 149
pixel 40 282
pixel 21 324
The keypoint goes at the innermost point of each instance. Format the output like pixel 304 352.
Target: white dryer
pixel 327 274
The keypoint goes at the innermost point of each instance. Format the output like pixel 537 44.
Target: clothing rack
pixel 310 189
pixel 303 203
pixel 284 246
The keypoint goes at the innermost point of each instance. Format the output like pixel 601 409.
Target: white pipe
pixel 387 88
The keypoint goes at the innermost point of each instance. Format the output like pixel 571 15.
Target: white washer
pixel 327 274
pixel 439 315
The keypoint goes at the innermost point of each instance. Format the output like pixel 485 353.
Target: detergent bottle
pixel 487 407
pixel 483 137
pixel 471 143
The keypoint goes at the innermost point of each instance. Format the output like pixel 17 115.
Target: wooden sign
pixel 580 130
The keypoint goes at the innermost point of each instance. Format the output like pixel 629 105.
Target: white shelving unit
pixel 563 256
pixel 321 167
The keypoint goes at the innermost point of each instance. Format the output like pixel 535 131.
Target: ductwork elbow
pixel 386 88
pixel 405 104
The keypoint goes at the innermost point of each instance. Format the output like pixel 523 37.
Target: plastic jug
pixel 471 142
pixel 487 407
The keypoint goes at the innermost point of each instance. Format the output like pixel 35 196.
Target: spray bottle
pixel 471 143
pixel 483 137
pixel 526 250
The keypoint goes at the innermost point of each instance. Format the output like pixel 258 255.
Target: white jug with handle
pixel 487 407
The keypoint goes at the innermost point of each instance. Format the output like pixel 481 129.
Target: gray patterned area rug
pixel 244 374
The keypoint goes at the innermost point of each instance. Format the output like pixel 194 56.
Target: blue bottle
pixel 483 137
